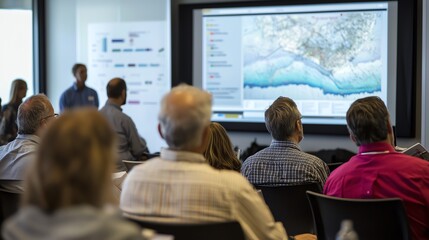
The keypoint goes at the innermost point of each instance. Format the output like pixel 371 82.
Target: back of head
pixel 74 163
pixel 115 87
pixel 185 113
pixel 280 118
pixel 31 112
pixel 220 153
pixel 367 120
pixel 16 86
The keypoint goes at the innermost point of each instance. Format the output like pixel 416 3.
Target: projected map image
pixel 329 56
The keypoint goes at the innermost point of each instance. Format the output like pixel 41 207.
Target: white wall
pixel 67 43
pixel 62 40
pixel 60 47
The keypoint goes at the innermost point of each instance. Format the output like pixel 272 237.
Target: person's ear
pixel 160 131
pixel 390 133
pixel 389 127
pixel 298 125
pixel 352 137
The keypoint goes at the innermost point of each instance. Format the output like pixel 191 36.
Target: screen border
pixel 406 63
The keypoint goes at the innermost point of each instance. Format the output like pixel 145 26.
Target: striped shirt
pixel 182 187
pixel 283 163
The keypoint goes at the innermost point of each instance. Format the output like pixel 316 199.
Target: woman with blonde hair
pixel 220 153
pixel 70 184
pixel 8 127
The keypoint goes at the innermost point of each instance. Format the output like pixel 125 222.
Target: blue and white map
pixel 339 55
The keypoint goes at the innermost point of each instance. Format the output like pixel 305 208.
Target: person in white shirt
pixel 180 186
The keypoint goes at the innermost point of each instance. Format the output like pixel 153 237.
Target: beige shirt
pixel 182 187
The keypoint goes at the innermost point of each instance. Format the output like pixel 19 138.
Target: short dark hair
pixel 280 118
pixel 115 87
pixel 76 67
pixel 367 120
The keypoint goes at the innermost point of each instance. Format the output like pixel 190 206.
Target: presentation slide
pixel 322 56
pixel 138 52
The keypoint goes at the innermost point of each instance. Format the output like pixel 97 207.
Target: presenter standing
pixel 78 95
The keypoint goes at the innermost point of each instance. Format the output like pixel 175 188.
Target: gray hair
pixel 280 118
pixel 31 112
pixel 185 113
pixel 367 120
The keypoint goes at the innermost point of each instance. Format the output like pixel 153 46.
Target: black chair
pixel 196 231
pixel 289 205
pixel 9 204
pixel 333 166
pixel 373 219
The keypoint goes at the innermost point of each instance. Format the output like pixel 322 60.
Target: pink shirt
pixel 377 171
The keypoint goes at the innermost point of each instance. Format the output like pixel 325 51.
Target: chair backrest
pixel 373 219
pixel 333 166
pixel 289 205
pixel 129 164
pixel 196 231
pixel 9 204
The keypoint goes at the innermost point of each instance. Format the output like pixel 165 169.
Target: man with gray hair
pixel 180 186
pixel 34 114
pixel 283 163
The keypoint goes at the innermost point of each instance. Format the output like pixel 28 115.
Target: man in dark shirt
pixel 79 95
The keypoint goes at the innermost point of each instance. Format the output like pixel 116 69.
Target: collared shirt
pixel 15 158
pixel 73 97
pixel 283 163
pixel 182 187
pixel 377 171
pixel 130 144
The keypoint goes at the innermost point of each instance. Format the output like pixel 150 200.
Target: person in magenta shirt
pixel 378 171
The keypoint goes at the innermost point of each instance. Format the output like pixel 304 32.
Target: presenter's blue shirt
pixel 73 97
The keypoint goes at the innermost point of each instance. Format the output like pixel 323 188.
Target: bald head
pixel 115 87
pixel 185 113
pixel 32 112
pixel 117 91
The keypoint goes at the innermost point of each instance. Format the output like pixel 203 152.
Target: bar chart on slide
pixel 136 52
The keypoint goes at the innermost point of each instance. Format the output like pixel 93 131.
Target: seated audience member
pixel 220 153
pixel 79 95
pixel 70 184
pixel 179 186
pixel 283 162
pixel 33 116
pixel 130 145
pixel 378 171
pixel 8 127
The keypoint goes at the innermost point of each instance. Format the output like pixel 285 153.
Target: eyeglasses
pixel 55 115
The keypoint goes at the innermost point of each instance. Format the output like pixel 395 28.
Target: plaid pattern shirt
pixel 181 187
pixel 283 163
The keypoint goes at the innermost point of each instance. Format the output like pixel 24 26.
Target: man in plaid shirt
pixel 283 162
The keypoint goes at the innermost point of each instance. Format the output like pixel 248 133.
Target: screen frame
pixel 405 71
